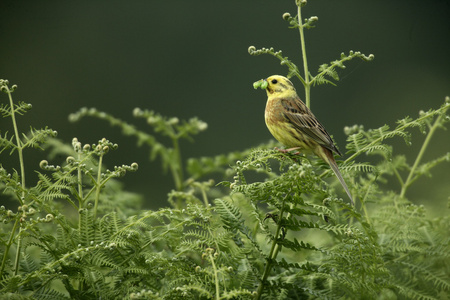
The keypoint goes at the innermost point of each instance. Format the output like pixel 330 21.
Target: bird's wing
pixel 296 113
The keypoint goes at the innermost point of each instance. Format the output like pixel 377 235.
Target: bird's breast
pixel 279 127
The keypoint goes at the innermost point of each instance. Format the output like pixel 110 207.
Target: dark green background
pixel 189 58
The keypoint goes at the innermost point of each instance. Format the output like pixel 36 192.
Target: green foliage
pixel 326 72
pixel 275 229
pixel 280 231
pixel 169 127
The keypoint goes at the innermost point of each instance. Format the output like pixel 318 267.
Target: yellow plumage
pixel 292 123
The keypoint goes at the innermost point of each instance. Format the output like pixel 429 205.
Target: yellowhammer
pixel 292 123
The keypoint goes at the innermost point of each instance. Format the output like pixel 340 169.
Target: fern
pixel 329 70
pixel 170 127
pixel 276 228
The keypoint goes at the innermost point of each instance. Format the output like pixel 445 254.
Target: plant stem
pixel 98 184
pixel 305 61
pixel 363 201
pixel 19 144
pixel 8 245
pixel 19 245
pixel 22 174
pixel 177 169
pixel 80 184
pixel 408 181
pixel 216 279
pixel 80 193
pixel 381 138
pixel 273 253
pixel 205 196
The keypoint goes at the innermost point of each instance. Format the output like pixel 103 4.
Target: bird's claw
pixel 287 150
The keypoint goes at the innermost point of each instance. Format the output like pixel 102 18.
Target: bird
pixel 293 124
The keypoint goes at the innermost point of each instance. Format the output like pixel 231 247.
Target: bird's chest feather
pixel 274 112
pixel 279 127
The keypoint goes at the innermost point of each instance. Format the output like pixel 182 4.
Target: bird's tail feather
pixel 332 162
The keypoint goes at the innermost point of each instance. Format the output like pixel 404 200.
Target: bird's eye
pixel 274 81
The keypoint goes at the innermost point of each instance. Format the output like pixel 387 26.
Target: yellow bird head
pixel 279 86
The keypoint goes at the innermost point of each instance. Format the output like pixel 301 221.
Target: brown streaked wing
pixel 304 120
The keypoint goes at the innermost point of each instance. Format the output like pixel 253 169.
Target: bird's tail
pixel 327 155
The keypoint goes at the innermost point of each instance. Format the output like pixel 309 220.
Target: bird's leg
pixel 288 150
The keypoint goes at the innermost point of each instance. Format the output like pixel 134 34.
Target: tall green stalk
pixel 307 83
pixel 22 175
pixel 410 179
pixel 216 278
pixel 8 246
pixel 177 165
pixel 98 184
pixel 272 254
pixel 18 143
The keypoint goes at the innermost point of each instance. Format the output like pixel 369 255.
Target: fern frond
pixel 412 293
pixel 330 69
pixel 19 108
pixel 103 259
pixel 198 240
pixel 28 264
pixel 425 168
pixel 136 270
pixel 195 291
pixel 296 245
pixel 426 272
pixel 5 110
pixel 237 294
pixel 246 275
pixel 339 229
pixel 199 167
pixel 36 137
pixel 293 223
pixel 50 294
pixel 230 214
pixel 6 143
pixel 293 69
pixel 325 70
pixel 368 141
pixel 87 229
pixel 52 190
pixel 363 167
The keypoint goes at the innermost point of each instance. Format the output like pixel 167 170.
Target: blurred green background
pixel 189 58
